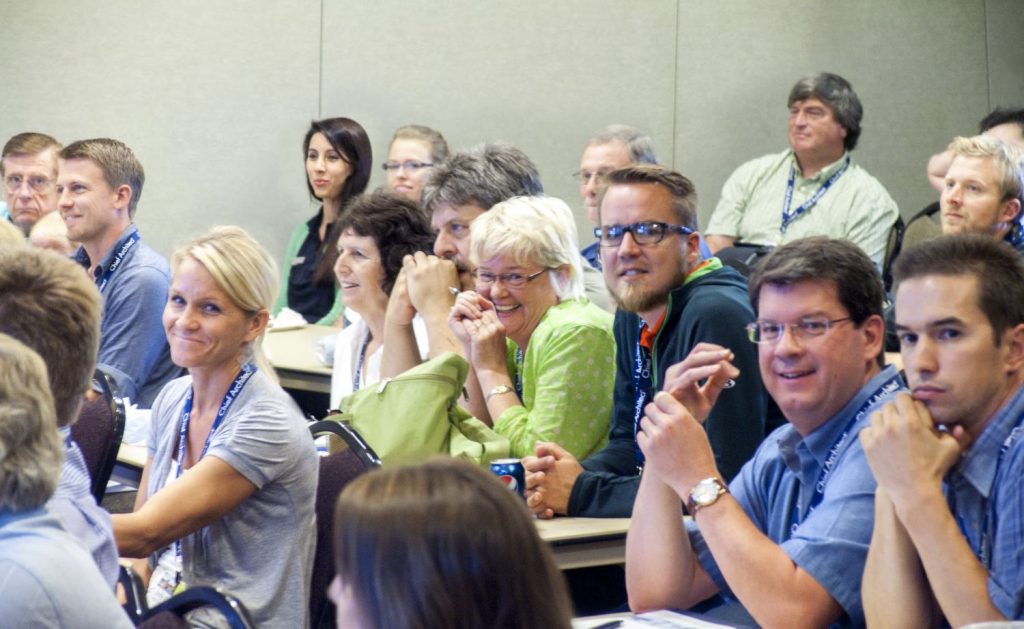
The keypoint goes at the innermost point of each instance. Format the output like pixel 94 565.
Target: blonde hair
pixel 9 234
pixel 540 230
pixel 30 451
pixel 243 269
pixel 1008 160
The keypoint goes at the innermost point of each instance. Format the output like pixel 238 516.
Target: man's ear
pixel 1010 211
pixel 1013 338
pixel 873 329
pixel 122 196
pixel 692 250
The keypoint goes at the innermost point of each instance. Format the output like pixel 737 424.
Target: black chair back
pixel 98 433
pixel 171 613
pixel 336 470
pixel 134 592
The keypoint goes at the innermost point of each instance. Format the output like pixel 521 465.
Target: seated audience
pixel 49 580
pixel 414 151
pixel 29 169
pixel 230 480
pixel 984 190
pixel 99 184
pixel 47 303
pixel 669 302
pixel 787 538
pixel 1006 124
pixel 338 163
pixel 949 458
pixel 438 545
pixel 377 232
pixel 542 356
pixel 815 184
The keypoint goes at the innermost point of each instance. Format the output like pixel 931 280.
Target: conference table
pixel 292 352
pixel 585 542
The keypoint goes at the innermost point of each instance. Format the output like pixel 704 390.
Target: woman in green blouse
pixel 542 356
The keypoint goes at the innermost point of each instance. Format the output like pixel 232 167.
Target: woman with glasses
pixel 338 161
pixel 375 233
pixel 413 152
pixel 541 355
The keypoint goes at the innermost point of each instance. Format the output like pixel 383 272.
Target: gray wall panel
pixel 1005 19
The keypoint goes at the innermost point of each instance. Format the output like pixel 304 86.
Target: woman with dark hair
pixel 441 544
pixel 338 162
pixel 373 235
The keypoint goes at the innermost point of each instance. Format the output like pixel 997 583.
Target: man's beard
pixel 633 298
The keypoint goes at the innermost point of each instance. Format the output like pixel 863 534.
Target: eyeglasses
pixel 644 233
pixel 410 165
pixel 36 182
pixel 584 176
pixel 510 280
pixel 771 331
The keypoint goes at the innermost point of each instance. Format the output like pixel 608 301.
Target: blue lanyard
pixel 885 389
pixel 101 282
pixel 642 384
pixel 357 376
pixel 787 216
pixel 229 398
pixel 517 382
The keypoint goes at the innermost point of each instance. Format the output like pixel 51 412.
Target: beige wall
pixel 215 96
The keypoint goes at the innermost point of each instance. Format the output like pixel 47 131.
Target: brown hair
pixel 119 165
pixel 445 544
pixel 682 190
pixel 29 143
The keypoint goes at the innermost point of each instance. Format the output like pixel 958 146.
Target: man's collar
pixel 83 258
pixel 981 461
pixel 822 174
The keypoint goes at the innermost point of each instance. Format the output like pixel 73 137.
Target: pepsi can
pixel 511 472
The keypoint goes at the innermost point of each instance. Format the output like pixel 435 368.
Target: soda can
pixel 511 472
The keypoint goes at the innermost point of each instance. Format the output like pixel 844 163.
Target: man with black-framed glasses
pixel 669 300
pixel 785 542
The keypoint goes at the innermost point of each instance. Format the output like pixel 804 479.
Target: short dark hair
pixel 998 269
pixel 397 225
pixel 483 176
pixel 681 189
pixel 1002 115
pixel 858 285
pixel 838 94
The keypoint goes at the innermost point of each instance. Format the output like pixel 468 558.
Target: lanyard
pixel 641 388
pixel 887 388
pixel 518 381
pixel 229 398
pixel 787 216
pixel 357 375
pixel 101 282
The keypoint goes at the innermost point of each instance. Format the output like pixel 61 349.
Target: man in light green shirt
pixel 813 188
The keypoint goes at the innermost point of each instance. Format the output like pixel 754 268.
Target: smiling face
pixel 949 350
pixel 812 378
pixel 640 278
pixel 405 181
pixel 520 310
pixel 93 212
pixel 971 200
pixel 452 223
pixel 814 133
pixel 29 188
pixel 205 329
pixel 326 168
pixel 598 160
pixel 360 274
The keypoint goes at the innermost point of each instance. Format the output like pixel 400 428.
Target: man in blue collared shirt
pixel 99 184
pixel 785 542
pixel 949 457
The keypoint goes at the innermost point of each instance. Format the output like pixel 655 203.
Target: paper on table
pixel 661 619
pixel 287 319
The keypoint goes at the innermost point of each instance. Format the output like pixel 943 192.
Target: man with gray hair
pixel 99 185
pixel 812 188
pixel 616 146
pixel 459 190
pixel 29 170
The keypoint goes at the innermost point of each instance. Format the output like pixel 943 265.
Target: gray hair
pixel 30 450
pixel 484 176
pixel 641 148
pixel 838 94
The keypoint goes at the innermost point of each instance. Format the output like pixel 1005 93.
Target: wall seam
pixel 320 68
pixel 675 90
pixel 988 55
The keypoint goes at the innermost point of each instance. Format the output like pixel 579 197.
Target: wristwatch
pixel 704 494
pixel 498 390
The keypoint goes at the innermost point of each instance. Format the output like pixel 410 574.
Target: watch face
pixel 705 492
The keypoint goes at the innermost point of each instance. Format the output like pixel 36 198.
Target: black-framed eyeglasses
pixel 644 232
pixel 511 280
pixel 808 327
pixel 410 165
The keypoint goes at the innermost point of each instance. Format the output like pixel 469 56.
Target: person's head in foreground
pixel 984 188
pixel 960 321
pixel 526 259
pixel 223 284
pixel 414 151
pixel 374 234
pixel 819 326
pixel 438 545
